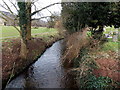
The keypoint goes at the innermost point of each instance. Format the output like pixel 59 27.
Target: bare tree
pixel 24 16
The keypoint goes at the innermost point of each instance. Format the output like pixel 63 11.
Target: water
pixel 46 72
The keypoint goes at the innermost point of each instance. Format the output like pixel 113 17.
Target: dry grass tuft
pixel 74 43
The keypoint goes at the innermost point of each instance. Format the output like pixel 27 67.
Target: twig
pixel 8 7
pixel 6 16
pixel 11 75
pixel 13 5
pixel 17 29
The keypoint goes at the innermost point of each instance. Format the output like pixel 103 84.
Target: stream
pixel 46 72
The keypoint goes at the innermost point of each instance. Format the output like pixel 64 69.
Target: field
pixel 10 32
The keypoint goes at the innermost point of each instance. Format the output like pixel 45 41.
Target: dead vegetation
pixel 60 28
pixel 103 66
pixel 74 43
pixel 95 64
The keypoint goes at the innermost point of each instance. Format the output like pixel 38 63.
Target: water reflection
pixel 47 72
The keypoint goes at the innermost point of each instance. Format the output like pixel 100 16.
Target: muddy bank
pixel 12 64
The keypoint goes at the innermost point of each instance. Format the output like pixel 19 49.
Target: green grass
pixel 43 30
pixel 9 31
pixel 113 46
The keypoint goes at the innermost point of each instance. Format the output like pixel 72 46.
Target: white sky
pixel 52 9
pixel 39 4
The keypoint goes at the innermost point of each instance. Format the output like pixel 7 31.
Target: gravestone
pixel 115 36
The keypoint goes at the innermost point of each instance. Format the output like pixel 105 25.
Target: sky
pixel 39 4
pixel 52 9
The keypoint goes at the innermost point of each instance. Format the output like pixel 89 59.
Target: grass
pixel 110 46
pixel 9 31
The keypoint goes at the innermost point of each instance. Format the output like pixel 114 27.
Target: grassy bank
pixel 10 31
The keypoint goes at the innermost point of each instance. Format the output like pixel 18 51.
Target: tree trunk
pixel 25 26
pixel 23 52
pixel 28 37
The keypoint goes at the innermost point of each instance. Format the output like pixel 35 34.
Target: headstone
pixel 115 36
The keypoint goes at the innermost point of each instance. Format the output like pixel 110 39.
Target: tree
pixel 25 25
pixel 97 15
pixel 52 19
pixel 24 15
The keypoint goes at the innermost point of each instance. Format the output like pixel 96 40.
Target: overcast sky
pixel 43 3
pixel 39 4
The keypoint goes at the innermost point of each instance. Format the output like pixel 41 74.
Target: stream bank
pixel 46 72
pixel 95 63
pixel 12 65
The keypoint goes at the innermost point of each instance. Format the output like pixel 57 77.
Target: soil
pixel 108 65
pixel 12 64
pixel 109 68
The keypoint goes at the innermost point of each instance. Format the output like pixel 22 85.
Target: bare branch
pixel 8 7
pixel 6 18
pixel 46 9
pixel 13 5
pixel 17 29
pixel 35 7
pixel 49 11
pixel 34 2
pixel 3 18
pixel 3 7
pixel 43 8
